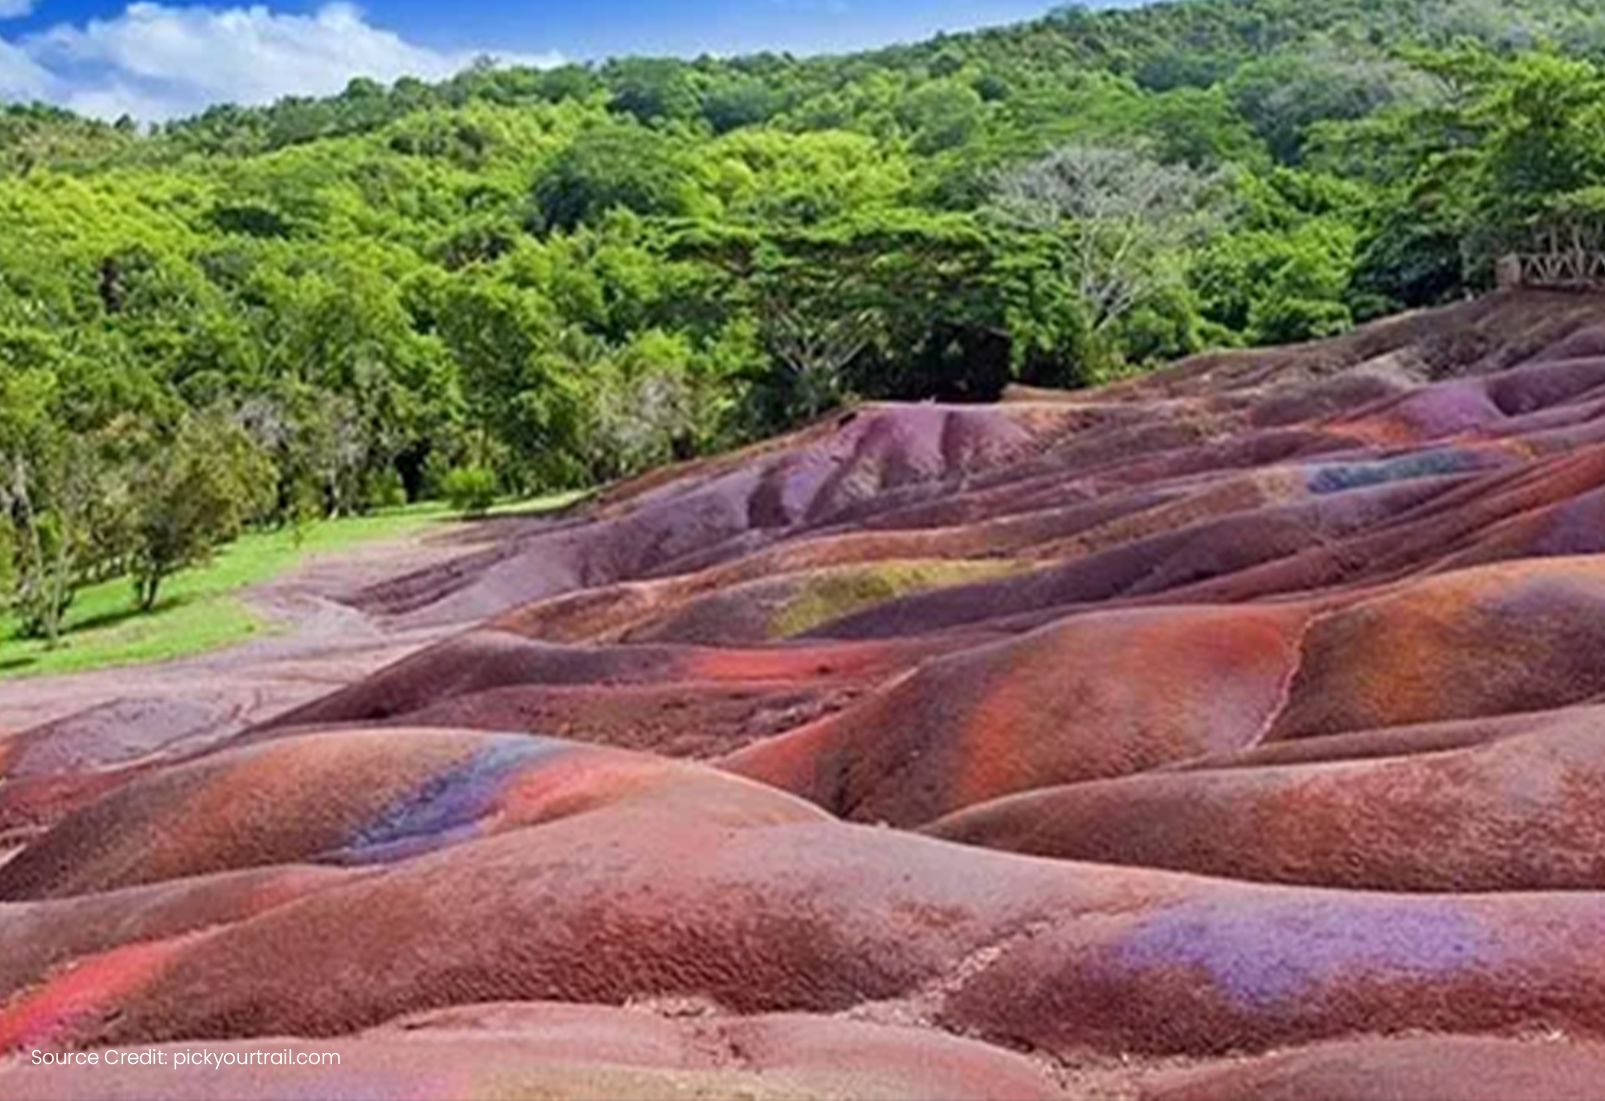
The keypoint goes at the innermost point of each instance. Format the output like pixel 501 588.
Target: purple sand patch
pixel 1577 527
pixel 1451 407
pixel 447 807
pixel 798 480
pixel 1268 952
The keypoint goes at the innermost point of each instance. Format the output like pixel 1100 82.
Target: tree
pixel 644 406
pixel 1283 96
pixel 1509 161
pixel 1118 216
pixel 525 403
pixel 8 561
pixel 50 486
pixel 651 89
pixel 816 349
pixel 942 114
pixel 52 498
pixel 738 102
pixel 196 494
pixel 1544 151
pixel 608 167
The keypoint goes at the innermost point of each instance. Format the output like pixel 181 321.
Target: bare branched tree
pixel 1117 213
pixel 816 348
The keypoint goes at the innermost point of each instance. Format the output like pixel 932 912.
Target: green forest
pixel 523 281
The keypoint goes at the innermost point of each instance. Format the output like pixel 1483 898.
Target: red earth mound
pixel 1467 1069
pixel 1235 731
pixel 1524 813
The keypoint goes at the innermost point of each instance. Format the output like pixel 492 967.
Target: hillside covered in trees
pixel 522 280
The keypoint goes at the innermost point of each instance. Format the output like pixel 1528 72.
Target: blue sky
pixel 160 58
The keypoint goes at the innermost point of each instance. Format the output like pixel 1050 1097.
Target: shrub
pixel 384 489
pixel 471 490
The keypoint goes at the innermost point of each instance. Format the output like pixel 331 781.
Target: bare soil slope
pixel 1238 731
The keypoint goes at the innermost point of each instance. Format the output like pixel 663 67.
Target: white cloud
pixel 15 9
pixel 154 61
pixel 20 77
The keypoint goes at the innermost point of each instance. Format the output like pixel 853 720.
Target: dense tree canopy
pixel 522 280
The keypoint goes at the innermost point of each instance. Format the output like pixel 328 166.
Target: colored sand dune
pixel 1233 732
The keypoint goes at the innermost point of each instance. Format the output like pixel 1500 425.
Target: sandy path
pixel 321 644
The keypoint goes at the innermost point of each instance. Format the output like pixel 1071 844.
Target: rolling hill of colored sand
pixel 1233 732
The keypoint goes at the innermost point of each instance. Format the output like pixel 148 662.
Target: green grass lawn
pixel 200 609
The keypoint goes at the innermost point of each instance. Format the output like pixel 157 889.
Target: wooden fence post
pixel 1508 271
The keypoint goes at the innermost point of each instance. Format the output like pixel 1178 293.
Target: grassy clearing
pixel 200 609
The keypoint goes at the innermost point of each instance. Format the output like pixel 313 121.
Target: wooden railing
pixel 1570 269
